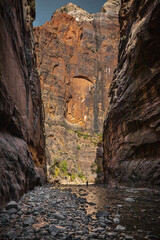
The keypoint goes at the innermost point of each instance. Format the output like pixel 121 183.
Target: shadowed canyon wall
pixel 76 55
pixel 132 127
pixel 22 145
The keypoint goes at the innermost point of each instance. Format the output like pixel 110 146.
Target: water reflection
pixel 137 209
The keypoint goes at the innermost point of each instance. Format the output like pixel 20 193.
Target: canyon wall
pixel 76 55
pixel 22 143
pixel 132 127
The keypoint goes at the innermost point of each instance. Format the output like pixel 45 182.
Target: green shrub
pixel 81 175
pixel 95 168
pixel 56 171
pixel 64 166
pixel 73 177
pixel 78 147
pixel 32 5
pixel 56 162
pixel 123 37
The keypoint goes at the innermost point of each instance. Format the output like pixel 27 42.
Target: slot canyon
pixel 80 121
pixel 82 51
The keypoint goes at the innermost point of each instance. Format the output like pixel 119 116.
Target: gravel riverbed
pixel 81 212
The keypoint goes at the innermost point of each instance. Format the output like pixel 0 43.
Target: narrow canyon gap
pixel 77 53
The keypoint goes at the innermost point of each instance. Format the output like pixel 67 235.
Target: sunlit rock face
pixel 132 127
pixel 22 161
pixel 76 55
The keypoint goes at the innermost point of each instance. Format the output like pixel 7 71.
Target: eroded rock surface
pixel 76 56
pixel 132 127
pixel 22 161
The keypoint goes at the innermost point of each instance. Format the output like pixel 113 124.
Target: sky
pixel 45 8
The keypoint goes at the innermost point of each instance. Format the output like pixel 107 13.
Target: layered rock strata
pixel 132 127
pixel 76 55
pixel 22 145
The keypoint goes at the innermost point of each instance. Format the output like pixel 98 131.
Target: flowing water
pixel 83 213
pixel 137 209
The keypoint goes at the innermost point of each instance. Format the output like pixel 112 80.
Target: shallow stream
pixel 137 209
pixel 82 213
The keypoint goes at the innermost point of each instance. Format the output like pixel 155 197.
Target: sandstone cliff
pixel 22 161
pixel 132 127
pixel 76 55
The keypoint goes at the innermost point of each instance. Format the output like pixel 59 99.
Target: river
pixel 83 213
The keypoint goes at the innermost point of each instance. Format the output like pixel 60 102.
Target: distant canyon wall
pixel 22 143
pixel 132 127
pixel 77 53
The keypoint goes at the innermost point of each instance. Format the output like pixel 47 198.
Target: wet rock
pixel 101 214
pixel 92 235
pixel 108 221
pixel 120 205
pixel 111 234
pixel 153 237
pixel 58 216
pixel 127 237
pixel 120 228
pixel 29 221
pixel 102 224
pixel 5 218
pixel 12 211
pixel 11 235
pixel 36 213
pixel 129 200
pixel 13 216
pixel 28 232
pixel 53 230
pixel 69 237
pixel 115 220
pixel 11 204
pixel 107 207
pixel 100 229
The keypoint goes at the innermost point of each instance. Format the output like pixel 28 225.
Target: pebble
pixel 59 216
pixel 111 234
pixel 11 204
pixel 127 237
pixel 120 228
pixel 102 214
pixel 11 235
pixel 116 220
pixel 28 221
pixel 53 230
pixel 120 205
pixel 12 211
pixel 129 200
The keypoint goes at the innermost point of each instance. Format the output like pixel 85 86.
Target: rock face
pixel 76 55
pixel 132 127
pixel 22 159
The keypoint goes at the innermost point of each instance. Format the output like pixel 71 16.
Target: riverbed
pixel 83 212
